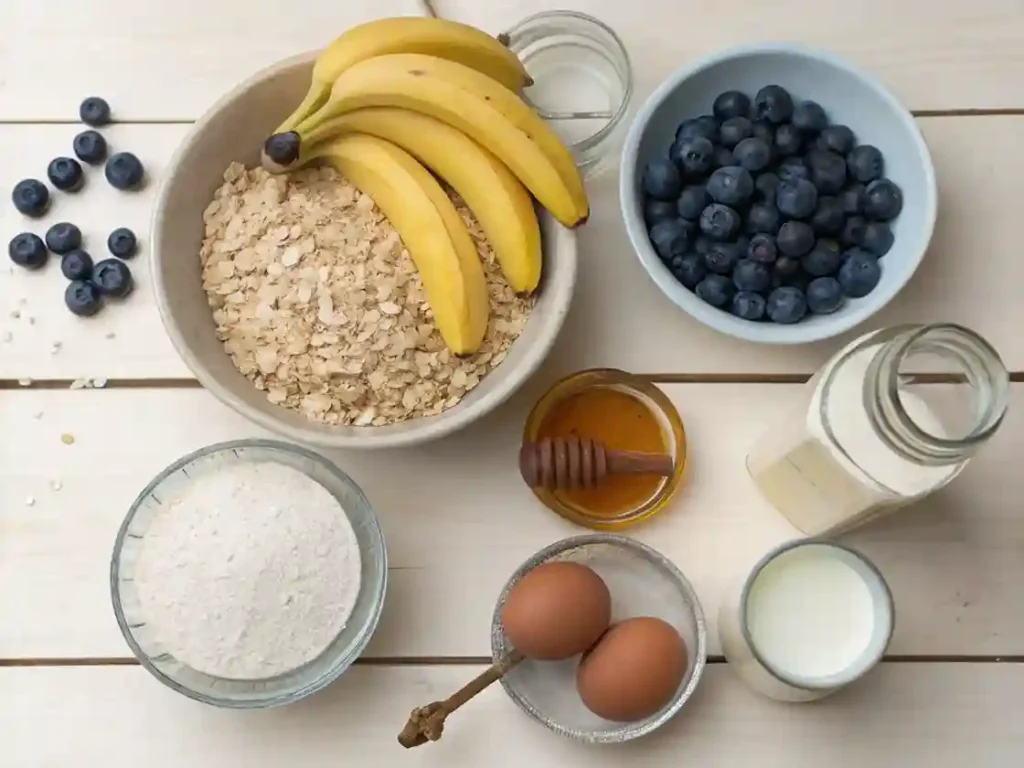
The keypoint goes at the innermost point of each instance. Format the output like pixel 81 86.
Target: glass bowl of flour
pixel 249 574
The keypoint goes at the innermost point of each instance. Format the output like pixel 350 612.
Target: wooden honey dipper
pixel 575 462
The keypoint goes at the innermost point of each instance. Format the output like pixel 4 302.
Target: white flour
pixel 248 571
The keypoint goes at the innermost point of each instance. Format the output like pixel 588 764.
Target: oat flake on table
pixel 319 304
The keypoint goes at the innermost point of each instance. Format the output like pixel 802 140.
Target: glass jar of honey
pixel 625 413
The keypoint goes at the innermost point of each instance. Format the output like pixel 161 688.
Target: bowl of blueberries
pixel 777 193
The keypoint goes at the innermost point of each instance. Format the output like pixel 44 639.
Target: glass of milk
pixel 810 618
pixel 891 418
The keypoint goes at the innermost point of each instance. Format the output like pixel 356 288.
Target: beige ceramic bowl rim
pixel 433 427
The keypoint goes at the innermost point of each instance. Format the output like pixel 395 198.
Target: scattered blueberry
pixel 788 139
pixel 122 243
pixel 722 258
pixel 76 265
pixel 724 158
pixel 658 210
pixel 748 305
pixel 766 185
pixel 763 217
pixel 94 111
pixel 877 238
pixel 852 199
pixel 731 104
pixel 753 154
pixel 786 305
pixel 694 157
pixel 28 251
pixel 750 275
pixel 689 269
pixel 63 237
pixel 65 174
pixel 692 201
pixel 824 259
pixel 762 248
pixel 82 298
pixel 705 127
pixel 865 163
pixel 670 238
pixel 809 116
pixel 716 290
pixel 836 138
pixel 786 267
pixel 774 104
pixel 828 171
pixel 793 168
pixel 283 148
pixel 795 238
pixel 90 147
pixel 796 199
pixel 731 186
pixel 824 295
pixel 112 278
pixel 828 217
pixel 853 232
pixel 719 222
pixel 31 197
pixel 735 130
pixel 883 200
pixel 124 171
pixel 661 179
pixel 859 274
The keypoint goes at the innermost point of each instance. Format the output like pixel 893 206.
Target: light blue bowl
pixel 851 97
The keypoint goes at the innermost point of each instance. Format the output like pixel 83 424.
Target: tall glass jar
pixel 893 417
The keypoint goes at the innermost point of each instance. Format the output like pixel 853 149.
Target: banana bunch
pixel 393 98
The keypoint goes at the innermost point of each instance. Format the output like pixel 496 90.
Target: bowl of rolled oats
pixel 293 300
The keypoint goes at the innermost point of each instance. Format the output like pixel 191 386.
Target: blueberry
pixel 865 163
pixel 786 267
pixel 823 260
pixel 31 197
pixel 283 148
pixel 689 269
pixel 766 185
pixel 722 258
pixel 795 238
pixel 793 168
pixel 731 104
pixel 76 265
pixel 774 104
pixel 750 275
pixel 94 111
pixel 65 174
pixel 836 138
pixel 122 243
pixel 859 273
pixel 828 218
pixel 877 238
pixel 661 179
pixel 90 147
pixel 788 139
pixel 824 295
pixel 112 278
pixel 852 199
pixel 809 116
pixel 853 232
pixel 732 185
pixel 748 305
pixel 763 217
pixel 753 154
pixel 796 199
pixel 28 251
pixel 716 290
pixel 658 210
pixel 724 158
pixel 735 130
pixel 786 305
pixel 694 157
pixel 670 238
pixel 124 171
pixel 883 200
pixel 704 126
pixel 828 171
pixel 762 249
pixel 719 222
pixel 82 298
pixel 692 201
pixel 702 244
pixel 63 237
pixel 764 131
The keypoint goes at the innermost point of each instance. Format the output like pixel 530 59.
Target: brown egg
pixel 556 611
pixel 633 671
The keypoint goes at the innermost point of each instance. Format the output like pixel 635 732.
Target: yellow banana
pixel 500 203
pixel 474 104
pixel 430 227
pixel 437 37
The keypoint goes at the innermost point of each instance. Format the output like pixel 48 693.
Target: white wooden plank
pixel 458 520
pixel 172 60
pixel 618 318
pixel 900 715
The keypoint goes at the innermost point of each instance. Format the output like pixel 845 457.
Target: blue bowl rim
pixel 717 319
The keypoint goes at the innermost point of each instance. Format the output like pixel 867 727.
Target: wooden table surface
pixel 456 517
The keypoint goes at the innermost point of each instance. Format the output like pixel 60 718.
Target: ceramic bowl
pixel 851 97
pixel 233 130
